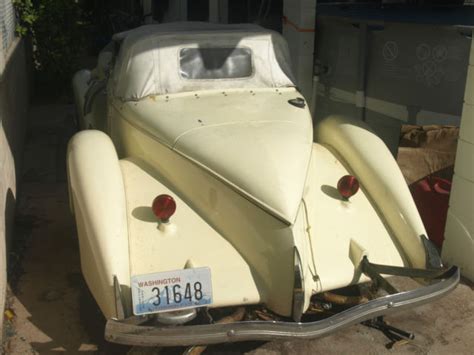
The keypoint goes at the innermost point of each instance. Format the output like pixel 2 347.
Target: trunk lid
pixel 255 141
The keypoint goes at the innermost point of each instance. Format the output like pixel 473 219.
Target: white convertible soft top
pixel 192 56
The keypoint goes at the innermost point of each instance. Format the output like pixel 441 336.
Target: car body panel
pixel 338 227
pixel 362 225
pixel 368 158
pixel 81 85
pixel 257 199
pixel 263 240
pixel 91 100
pixel 239 140
pixel 98 197
pixel 187 241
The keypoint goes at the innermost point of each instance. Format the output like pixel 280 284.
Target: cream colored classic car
pixel 202 198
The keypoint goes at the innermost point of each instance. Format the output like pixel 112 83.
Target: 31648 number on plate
pixel 171 290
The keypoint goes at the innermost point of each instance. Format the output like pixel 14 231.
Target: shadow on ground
pixel 54 311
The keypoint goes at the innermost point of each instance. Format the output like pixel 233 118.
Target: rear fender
pixel 98 197
pixel 368 158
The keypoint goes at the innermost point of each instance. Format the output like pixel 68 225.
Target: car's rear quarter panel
pixel 98 197
pixel 368 158
pixel 343 231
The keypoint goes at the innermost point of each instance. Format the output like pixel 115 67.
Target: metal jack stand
pixel 374 271
pixel 395 335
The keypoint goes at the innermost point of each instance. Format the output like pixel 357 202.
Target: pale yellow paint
pixel 224 224
pixel 263 241
pixel 98 195
pixel 187 238
pixel 367 157
pixel 336 224
pixel 242 140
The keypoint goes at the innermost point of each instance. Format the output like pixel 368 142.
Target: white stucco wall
pixel 458 247
pixel 14 100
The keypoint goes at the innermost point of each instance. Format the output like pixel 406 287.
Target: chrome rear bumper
pixel 131 333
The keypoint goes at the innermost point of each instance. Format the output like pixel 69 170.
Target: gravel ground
pixel 55 313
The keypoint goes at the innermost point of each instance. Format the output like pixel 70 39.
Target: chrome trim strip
pixel 119 307
pixel 298 288
pixel 124 332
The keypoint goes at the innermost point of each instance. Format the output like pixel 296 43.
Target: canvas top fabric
pixel 182 57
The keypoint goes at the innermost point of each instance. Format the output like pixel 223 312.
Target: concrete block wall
pixel 14 100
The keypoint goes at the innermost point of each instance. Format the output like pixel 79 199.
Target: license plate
pixel 171 290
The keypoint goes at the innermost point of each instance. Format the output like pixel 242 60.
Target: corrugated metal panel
pixel 7 23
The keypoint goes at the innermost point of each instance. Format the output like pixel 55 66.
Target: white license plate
pixel 171 290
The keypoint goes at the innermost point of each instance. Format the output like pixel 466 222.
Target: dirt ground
pixel 53 311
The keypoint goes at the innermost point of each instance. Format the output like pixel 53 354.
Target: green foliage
pixel 56 31
pixel 27 16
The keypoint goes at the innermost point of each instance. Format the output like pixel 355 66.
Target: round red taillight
pixel 163 207
pixel 348 186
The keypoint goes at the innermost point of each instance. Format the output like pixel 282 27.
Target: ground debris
pixel 9 314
